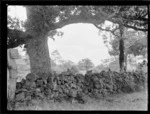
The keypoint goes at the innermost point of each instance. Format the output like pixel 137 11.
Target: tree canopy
pixel 42 19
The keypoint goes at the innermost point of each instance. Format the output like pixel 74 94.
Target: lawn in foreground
pixel 133 101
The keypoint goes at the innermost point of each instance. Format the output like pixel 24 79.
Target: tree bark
pixel 121 55
pixel 38 51
pixel 125 60
pixel 121 49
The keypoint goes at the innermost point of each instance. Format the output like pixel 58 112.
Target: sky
pixel 17 11
pixel 78 42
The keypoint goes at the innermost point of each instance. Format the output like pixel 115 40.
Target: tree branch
pixel 77 19
pixel 141 18
pixel 117 21
pixel 94 19
pixel 15 43
pixel 135 28
pixel 16 37
pixel 112 31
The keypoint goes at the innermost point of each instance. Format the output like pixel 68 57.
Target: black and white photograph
pixel 77 57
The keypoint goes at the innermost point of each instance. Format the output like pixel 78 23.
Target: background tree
pixel 115 47
pixel 74 69
pixel 85 64
pixel 106 39
pixel 56 57
pixel 134 17
pixel 135 43
pixel 106 61
pixel 100 68
pixel 66 65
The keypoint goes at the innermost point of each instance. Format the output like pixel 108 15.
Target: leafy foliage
pixel 74 69
pixel 56 57
pixel 14 23
pixel 115 47
pixel 135 17
pixel 67 65
pixel 85 64
pixel 138 49
pixel 19 32
pixel 47 17
pixel 135 43
pixel 59 65
pixel 42 19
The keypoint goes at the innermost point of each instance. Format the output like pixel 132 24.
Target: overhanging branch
pixel 117 21
pixel 108 30
pixel 16 37
pixel 93 19
pixel 77 19
pixel 135 28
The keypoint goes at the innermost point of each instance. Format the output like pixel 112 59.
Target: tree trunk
pixel 125 61
pixel 38 51
pixel 121 55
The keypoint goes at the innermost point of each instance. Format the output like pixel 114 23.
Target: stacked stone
pixel 57 87
pixel 110 82
pixel 70 86
pixel 67 86
pixel 99 84
pixel 140 78
pixel 26 88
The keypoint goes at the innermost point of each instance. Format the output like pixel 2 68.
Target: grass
pixel 134 101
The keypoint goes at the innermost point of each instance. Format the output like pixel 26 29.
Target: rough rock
pixel 67 86
pixel 31 77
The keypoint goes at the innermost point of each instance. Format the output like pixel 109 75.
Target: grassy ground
pixel 133 101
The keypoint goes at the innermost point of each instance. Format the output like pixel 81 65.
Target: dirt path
pixel 133 101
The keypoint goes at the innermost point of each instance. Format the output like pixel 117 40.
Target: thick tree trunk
pixel 37 48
